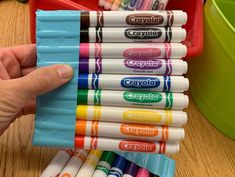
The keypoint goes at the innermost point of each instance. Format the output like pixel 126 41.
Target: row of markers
pixel 129 78
pixel 95 163
pixel 126 90
pixel 133 4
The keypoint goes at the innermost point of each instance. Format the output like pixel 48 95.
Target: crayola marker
pixel 145 99
pixel 132 18
pixel 104 165
pixel 132 4
pixel 116 5
pixel 132 66
pixel 57 164
pixel 142 172
pixel 133 34
pixel 101 3
pixel 108 144
pixel 118 167
pixel 133 50
pixel 131 115
pixel 74 164
pixel 139 4
pixel 130 170
pixel 153 175
pixel 146 5
pixel 159 4
pixel 108 4
pixel 90 164
pixel 124 5
pixel 133 82
pixel 129 131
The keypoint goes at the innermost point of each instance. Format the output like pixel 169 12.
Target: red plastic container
pixel 194 9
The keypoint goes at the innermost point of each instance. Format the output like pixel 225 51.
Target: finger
pixel 3 72
pixel 25 54
pixel 29 108
pixel 26 71
pixel 42 80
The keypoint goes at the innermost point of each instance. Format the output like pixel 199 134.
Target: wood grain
pixel 205 152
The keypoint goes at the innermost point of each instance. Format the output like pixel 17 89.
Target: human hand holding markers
pixel 21 82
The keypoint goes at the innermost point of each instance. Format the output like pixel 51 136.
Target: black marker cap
pixel 153 175
pixel 85 19
pixel 84 35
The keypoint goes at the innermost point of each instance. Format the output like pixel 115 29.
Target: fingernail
pixel 65 71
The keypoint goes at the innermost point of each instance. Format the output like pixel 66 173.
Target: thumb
pixel 43 80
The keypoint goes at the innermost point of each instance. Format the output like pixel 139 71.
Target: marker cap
pixel 84 35
pixel 83 81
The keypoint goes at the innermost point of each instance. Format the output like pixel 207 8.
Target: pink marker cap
pixel 142 172
pixel 84 50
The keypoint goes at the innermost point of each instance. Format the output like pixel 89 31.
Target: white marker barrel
pixel 57 164
pixel 133 50
pixel 131 115
pixel 109 144
pixel 133 82
pixel 74 163
pixel 145 99
pixel 133 66
pixel 129 131
pixel 132 18
pixel 88 167
pixel 133 34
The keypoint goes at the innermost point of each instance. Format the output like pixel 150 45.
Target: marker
pixel 118 167
pixel 159 4
pixel 132 5
pixel 104 165
pixel 128 131
pixel 108 4
pixel 139 4
pixel 153 175
pixel 101 3
pixel 90 164
pixel 74 164
pixel 132 66
pixel 145 99
pixel 131 115
pixel 142 172
pixel 133 82
pixel 146 5
pixel 124 5
pixel 108 144
pixel 133 34
pixel 116 5
pixel 133 50
pixel 132 18
pixel 57 164
pixel 130 170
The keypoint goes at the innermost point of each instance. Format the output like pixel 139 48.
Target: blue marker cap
pixel 83 81
pixel 119 162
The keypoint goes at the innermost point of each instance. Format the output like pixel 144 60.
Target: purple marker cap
pixel 83 65
pixel 131 169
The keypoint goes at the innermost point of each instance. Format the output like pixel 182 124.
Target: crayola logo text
pixel 144 19
pixel 143 97
pixel 139 130
pixel 137 146
pixel 140 82
pixel 142 116
pixel 144 53
pixel 143 33
pixel 143 64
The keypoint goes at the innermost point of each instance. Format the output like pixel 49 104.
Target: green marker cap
pixel 82 96
pixel 108 157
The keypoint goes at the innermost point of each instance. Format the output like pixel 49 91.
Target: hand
pixel 21 82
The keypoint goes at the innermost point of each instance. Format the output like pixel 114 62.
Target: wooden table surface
pixel 204 152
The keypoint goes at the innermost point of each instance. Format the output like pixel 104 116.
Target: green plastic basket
pixel 212 75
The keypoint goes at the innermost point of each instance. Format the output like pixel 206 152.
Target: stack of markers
pixel 129 85
pixel 81 163
pixel 122 5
